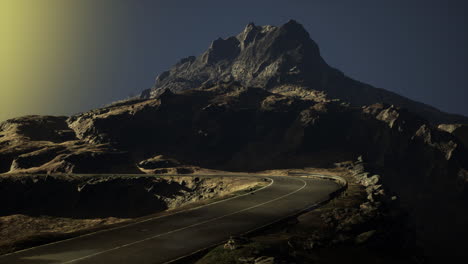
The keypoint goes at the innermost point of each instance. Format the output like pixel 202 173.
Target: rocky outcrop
pixel 460 131
pixel 37 128
pixel 103 196
pixel 46 144
pixel 283 60
pixel 158 162
pixel 231 127
pixel 416 211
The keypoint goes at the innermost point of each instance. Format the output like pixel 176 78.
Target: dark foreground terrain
pixel 177 235
pixel 38 209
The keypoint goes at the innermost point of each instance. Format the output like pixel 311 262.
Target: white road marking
pixel 142 221
pixel 183 228
pixel 323 177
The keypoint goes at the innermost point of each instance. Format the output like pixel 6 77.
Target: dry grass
pixel 21 231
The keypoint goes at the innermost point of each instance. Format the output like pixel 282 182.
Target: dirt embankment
pixel 40 209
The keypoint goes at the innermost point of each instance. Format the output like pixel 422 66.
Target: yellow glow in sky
pixel 47 48
pixel 32 52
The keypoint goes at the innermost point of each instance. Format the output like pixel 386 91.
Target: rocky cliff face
pixel 284 60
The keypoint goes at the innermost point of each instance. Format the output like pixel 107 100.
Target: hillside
pixel 284 60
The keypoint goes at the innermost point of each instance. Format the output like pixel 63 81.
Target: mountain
pixel 262 100
pixel 282 60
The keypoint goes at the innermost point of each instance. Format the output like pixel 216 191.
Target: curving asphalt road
pixel 165 239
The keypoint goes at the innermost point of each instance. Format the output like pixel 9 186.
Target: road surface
pixel 167 238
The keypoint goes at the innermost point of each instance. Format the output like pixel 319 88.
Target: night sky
pixel 63 57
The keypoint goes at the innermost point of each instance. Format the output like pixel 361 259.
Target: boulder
pixel 265 260
pixel 157 162
pixel 460 131
pixel 364 237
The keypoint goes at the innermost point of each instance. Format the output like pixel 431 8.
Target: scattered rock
pixel 101 196
pixel 460 131
pixel 364 237
pixel 373 180
pixel 265 260
pixel 235 242
pixel 247 260
pixel 158 162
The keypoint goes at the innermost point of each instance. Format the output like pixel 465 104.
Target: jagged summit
pixel 281 59
pixel 292 29
pixel 259 56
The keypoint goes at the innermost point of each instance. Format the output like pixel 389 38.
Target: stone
pixel 157 162
pixel 265 260
pixel 364 237
pixel 247 260
pixel 373 180
pixel 235 242
pixel 460 131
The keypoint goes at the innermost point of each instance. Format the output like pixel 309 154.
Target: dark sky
pixel 417 48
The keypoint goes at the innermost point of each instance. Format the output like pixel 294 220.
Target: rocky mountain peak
pixel 222 49
pixel 295 28
pixel 292 29
pixel 248 35
pixel 281 59
pixel 259 56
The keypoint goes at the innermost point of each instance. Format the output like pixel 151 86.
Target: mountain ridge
pixel 281 59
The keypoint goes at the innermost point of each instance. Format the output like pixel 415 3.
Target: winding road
pixel 167 238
